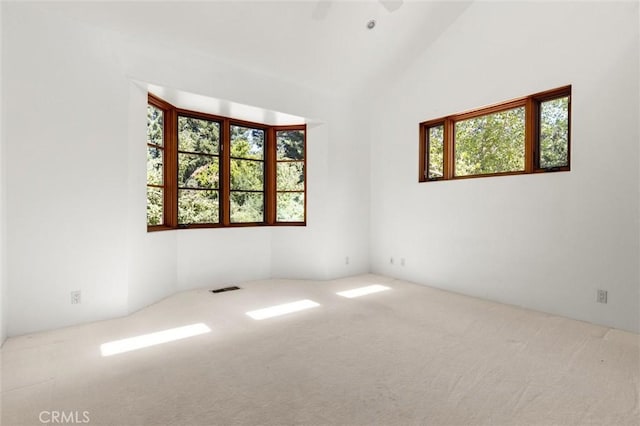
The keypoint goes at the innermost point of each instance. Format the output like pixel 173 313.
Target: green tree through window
pixel 247 174
pixel 290 180
pixel 198 171
pixel 554 133
pixel 155 168
pixel 526 135
pixel 210 171
pixel 491 143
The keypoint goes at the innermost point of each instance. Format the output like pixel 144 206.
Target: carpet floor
pixel 407 355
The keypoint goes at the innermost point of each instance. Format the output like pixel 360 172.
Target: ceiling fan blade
pixel 391 5
pixel 321 10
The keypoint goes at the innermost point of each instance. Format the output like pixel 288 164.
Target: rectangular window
pixel 554 133
pixel 435 155
pixel 490 144
pixel 247 174
pixel 290 176
pixel 526 135
pixel 198 171
pixel 155 165
pixel 210 171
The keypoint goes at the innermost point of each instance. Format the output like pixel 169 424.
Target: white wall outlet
pixel 602 296
pixel 391 261
pixel 402 262
pixel 76 297
pixel 346 260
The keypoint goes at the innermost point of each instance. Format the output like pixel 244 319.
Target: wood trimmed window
pixel 207 171
pixel 160 160
pixel 525 135
pixel 247 174
pixel 291 175
pixel 198 174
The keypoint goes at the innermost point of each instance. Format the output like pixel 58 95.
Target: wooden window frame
pixel 425 151
pixel 275 162
pixel 265 173
pixel 170 164
pixel 531 105
pixel 175 142
pixel 168 209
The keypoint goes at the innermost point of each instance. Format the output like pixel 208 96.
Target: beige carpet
pixel 408 355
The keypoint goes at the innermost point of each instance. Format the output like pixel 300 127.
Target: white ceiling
pixel 319 44
pixel 222 107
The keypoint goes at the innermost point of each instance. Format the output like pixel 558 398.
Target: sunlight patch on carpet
pixel 361 291
pixel 287 308
pixel 152 339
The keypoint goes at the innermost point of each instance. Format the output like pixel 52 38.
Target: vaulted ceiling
pixel 320 44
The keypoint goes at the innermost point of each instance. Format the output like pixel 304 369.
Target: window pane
pixel 197 206
pixel 554 133
pixel 155 125
pixel 247 175
pixel 154 206
pixel 247 142
pixel 198 171
pixel 247 207
pixel 435 169
pixel 196 135
pixel 492 143
pixel 290 144
pixel 154 166
pixel 290 207
pixel 290 176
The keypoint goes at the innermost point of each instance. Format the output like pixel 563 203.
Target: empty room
pixel 320 212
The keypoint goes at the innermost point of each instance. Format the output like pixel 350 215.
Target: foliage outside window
pixel 554 133
pixel 435 159
pixel 247 174
pixel 198 170
pixel 492 143
pixel 526 135
pixel 290 180
pixel 155 165
pixel 210 171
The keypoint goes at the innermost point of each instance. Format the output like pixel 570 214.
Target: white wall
pixel 545 241
pixel 66 148
pixel 341 204
pixel 296 250
pixel 348 210
pixel 152 257
pixel 3 299
pixel 76 176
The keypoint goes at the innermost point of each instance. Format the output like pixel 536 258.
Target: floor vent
pixel 222 290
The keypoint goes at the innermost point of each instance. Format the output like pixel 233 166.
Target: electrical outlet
pixel 602 296
pixel 75 297
pixel 391 260
pixel 402 261
pixel 346 260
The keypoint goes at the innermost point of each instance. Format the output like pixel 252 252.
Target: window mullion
pixel 424 149
pixel 270 174
pixel 171 168
pixel 448 154
pixel 225 167
pixel 530 134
